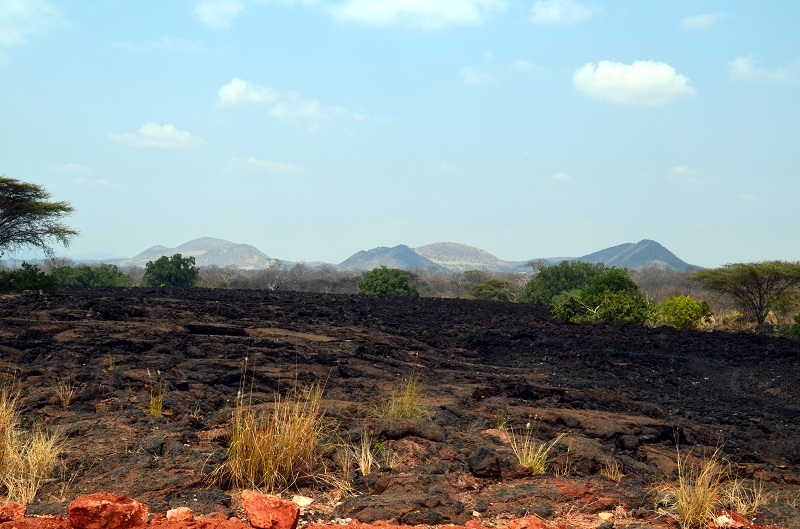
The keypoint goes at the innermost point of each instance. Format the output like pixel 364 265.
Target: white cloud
pixel 250 164
pixel 447 167
pixel 747 69
pixel 561 177
pixel 20 19
pixel 646 83
pixel 295 110
pixel 240 92
pixel 158 136
pixel 558 12
pixel 217 14
pixel 424 14
pixel 71 168
pixel 702 21
pixel 747 197
pixel 476 76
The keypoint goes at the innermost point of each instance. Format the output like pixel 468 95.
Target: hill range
pixel 444 256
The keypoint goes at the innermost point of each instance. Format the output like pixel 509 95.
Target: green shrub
pixel 609 297
pixel 387 282
pixel 551 281
pixel 683 312
pixel 104 275
pixel 494 289
pixel 175 271
pixel 28 277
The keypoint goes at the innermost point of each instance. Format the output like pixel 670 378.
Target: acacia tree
pixel 28 219
pixel 387 282
pixel 756 287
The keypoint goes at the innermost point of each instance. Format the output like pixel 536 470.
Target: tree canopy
pixel 756 287
pixel 28 219
pixel 550 281
pixel 103 275
pixel 387 282
pixel 175 271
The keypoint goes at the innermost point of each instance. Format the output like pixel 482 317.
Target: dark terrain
pixel 617 393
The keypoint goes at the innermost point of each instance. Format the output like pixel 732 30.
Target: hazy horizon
pixel 314 129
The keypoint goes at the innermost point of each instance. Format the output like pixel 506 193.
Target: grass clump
pixel 65 391
pixel 26 458
pixel 276 447
pixel 699 491
pixel 155 404
pixel 531 453
pixel 403 403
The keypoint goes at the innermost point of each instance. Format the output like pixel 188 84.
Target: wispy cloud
pixel 472 75
pixel 256 165
pixel 702 21
pixel 217 14
pixel 561 12
pixel 240 92
pixel 92 182
pixel 21 19
pixel 173 45
pixel 561 177
pixel 422 14
pixel 747 197
pixel 747 69
pixel 153 135
pixel 447 167
pixel 71 168
pixel 646 83
pixel 289 107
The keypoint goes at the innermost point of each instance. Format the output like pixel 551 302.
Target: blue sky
pixel 313 129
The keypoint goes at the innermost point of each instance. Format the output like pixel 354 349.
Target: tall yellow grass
pixel 274 448
pixel 26 458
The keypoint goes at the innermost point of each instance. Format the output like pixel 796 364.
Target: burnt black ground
pixel 621 393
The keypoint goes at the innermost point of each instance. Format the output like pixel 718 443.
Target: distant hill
pixel 633 256
pixel 444 256
pixel 401 257
pixel 454 256
pixel 207 251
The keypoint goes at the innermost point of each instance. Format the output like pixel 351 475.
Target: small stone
pixel 606 525
pixel 302 501
pixel 605 516
pixel 180 514
pixel 269 512
pixel 483 463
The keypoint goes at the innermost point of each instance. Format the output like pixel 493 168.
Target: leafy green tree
pixel 103 275
pixel 28 219
pixel 28 277
pixel 683 312
pixel 756 287
pixel 175 271
pixel 550 281
pixel 387 282
pixel 609 297
pixel 494 289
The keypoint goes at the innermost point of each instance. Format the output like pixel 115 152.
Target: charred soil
pixel 618 397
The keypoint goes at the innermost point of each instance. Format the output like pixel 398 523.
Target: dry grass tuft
pixel 26 458
pixel 699 491
pixel 404 403
pixel 155 406
pixel 274 448
pixel 612 470
pixel 530 453
pixel 745 496
pixel 364 455
pixel 65 391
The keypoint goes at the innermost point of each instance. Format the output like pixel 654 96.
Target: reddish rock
pixel 12 512
pixel 180 514
pixel 531 522
pixel 269 512
pixel 107 511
